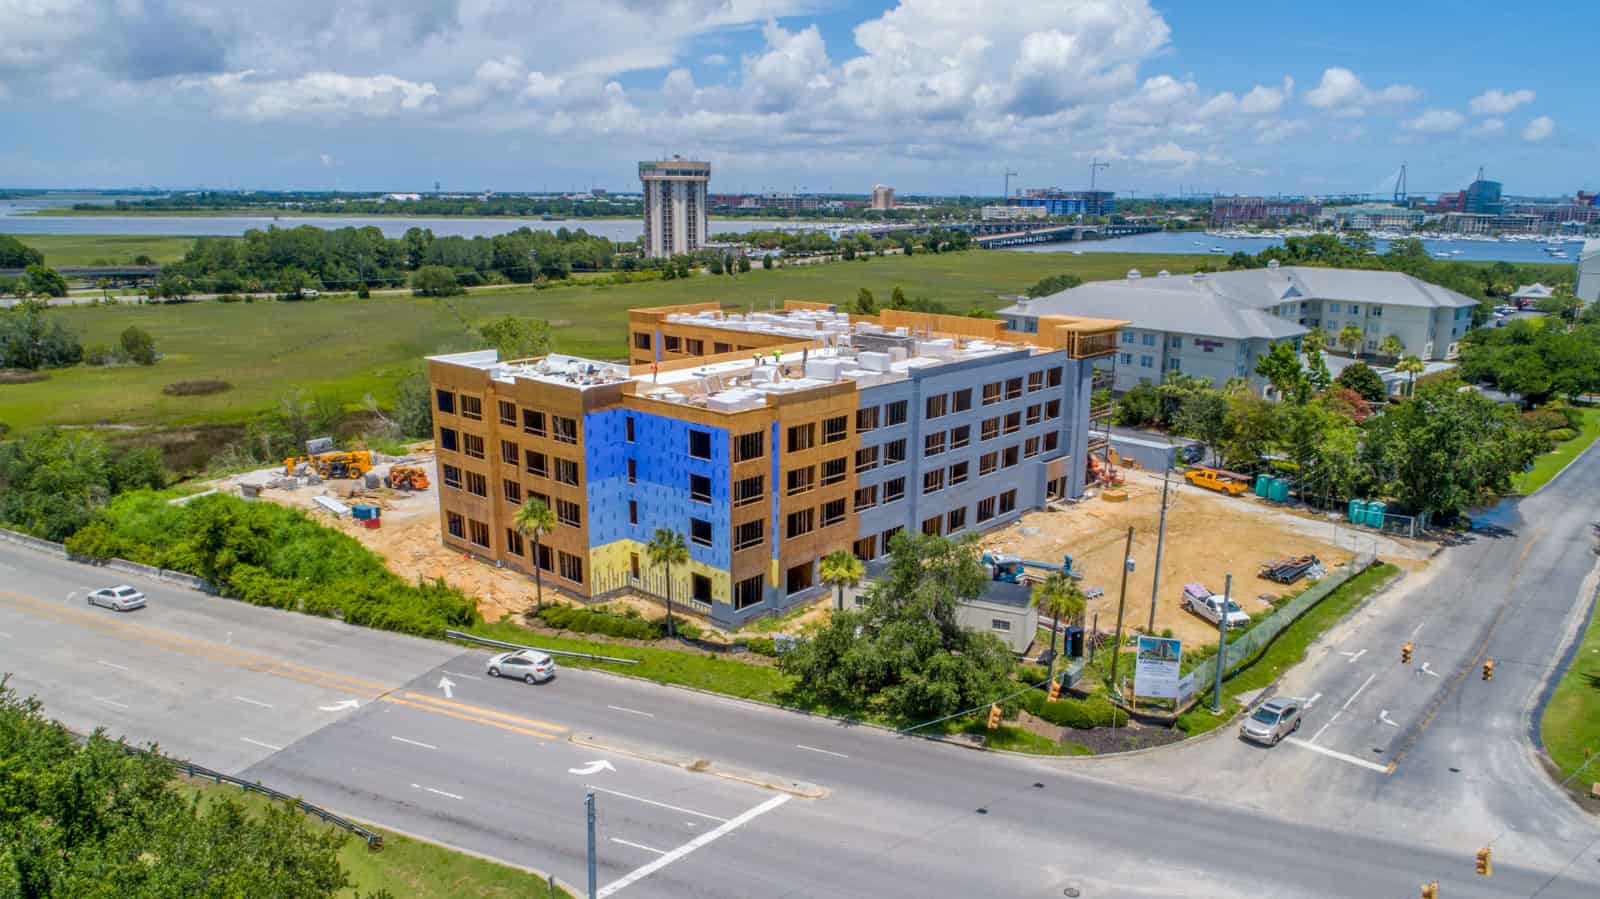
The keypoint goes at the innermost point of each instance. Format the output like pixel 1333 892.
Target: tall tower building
pixel 882 196
pixel 674 205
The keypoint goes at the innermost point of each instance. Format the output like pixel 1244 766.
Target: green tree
pixel 292 283
pixel 533 520
pixel 716 265
pixel 766 262
pixel 1138 407
pixel 138 346
pixel 1282 369
pixel 53 482
pixel 841 569
pixel 33 337
pixel 1392 346
pixel 435 281
pixel 1411 366
pixel 42 281
pixel 1361 378
pixel 1059 597
pixel 16 254
pixel 517 338
pixel 1203 415
pixel 744 264
pixel 865 303
pixel 1252 428
pixel 413 404
pixel 1316 341
pixel 666 549
pixel 1053 284
pixel 1351 338
pixel 897 299
pixel 173 286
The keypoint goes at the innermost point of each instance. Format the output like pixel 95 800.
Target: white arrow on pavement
pixel 446 684
pixel 1427 672
pixel 1352 656
pixel 1384 717
pixel 341 706
pixel 594 767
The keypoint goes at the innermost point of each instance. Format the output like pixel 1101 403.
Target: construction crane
pixel 1007 195
pixel 1095 165
pixel 1400 186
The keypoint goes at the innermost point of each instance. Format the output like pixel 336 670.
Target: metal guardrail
pixel 485 641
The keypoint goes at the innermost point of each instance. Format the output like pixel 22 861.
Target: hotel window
pixel 514 544
pixel 990 428
pixel 961 400
pixel 671 343
pixel 1125 358
pixel 633 511
pixel 1127 337
pixel 958 473
pixel 509 452
pixel 641 340
pixel 894 414
pixel 1147 339
pixel 802 437
pixel 1035 381
pixel 472 445
pixel 448 439
pixel 749 490
pixel 699 444
pixel 1035 414
pixel 894 490
pixel 446 401
pixel 933 481
pixel 627 428
pixel 1147 362
pixel 513 492
pixel 1052 410
pixel 566 471
pixel 1013 388
pixel 933 444
pixel 749 591
pixel 932 526
pixel 452 476
pixel 1008 502
pixel 937 406
pixel 801 523
pixel 478 533
pixel 566 429
pixel 700 588
pixel 1013 422
pixel 832 512
pixel 894 452
pixel 956 520
pixel 719 348
pixel 960 437
pixel 694 346
pixel 699 532
pixel 568 513
pixel 537 463
pixel 477 484
pixel 571 567
pixel 455 525
pixel 834 470
pixel 1055 375
pixel 835 429
pixel 1030 447
pixel 985 509
pixel 802 480
pixel 991 393
pixel 749 534
pixel 544 558
pixel 749 446
pixel 866 497
pixel 1010 456
pixel 472 407
pixel 699 488
pixel 867 419
pixel 508 414
pixel 987 463
pixel 1051 441
pixel 866 459
pixel 533 422
pixel 865 549
pixel 633 471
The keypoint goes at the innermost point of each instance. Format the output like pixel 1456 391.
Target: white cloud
pixel 1497 102
pixel 315 94
pixel 1342 92
pixel 1435 121
pixel 327 160
pixel 1272 131
pixel 1264 100
pixel 1488 128
pixel 540 85
pixel 1539 129
pixel 714 59
pixel 1169 154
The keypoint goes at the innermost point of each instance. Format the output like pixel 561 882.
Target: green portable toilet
pixel 1278 492
pixel 1261 484
pixel 1375 514
pixel 1358 511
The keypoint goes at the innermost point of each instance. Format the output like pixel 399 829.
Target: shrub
pixel 99 354
pixel 600 620
pixel 196 388
pixel 1559 435
pixel 1081 714
pixel 762 646
pixel 229 298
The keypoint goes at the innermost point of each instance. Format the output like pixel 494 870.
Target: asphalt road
pixel 360 721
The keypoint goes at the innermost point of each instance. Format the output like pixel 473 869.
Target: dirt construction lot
pixel 1208 536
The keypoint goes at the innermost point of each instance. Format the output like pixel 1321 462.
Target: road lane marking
pixel 464 676
pixel 1353 696
pixel 341 706
pixel 441 793
pixel 1384 717
pixel 1318 735
pixel 414 742
pixel 709 836
pixel 1313 700
pixel 1417 629
pixel 1357 655
pixel 262 745
pixel 1335 754
pixel 476 710
pixel 618 708
pixel 246 699
pixel 543 735
pixel 823 751
pixel 639 846
pixel 111 664
pixel 1428 672
pixel 110 702
pixel 675 808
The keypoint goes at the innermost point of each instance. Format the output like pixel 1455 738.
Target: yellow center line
pixel 255 662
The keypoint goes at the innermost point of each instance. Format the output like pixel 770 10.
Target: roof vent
pixel 1163 274
pixel 1272 263
pixel 1133 274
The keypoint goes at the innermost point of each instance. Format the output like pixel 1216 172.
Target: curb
pixel 695 765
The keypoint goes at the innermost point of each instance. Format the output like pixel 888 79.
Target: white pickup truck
pixel 1211 607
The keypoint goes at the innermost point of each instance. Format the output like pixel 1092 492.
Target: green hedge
pixel 601 620
pixel 1081 714
pixel 271 555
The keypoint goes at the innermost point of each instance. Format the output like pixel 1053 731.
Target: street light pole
pixel 1222 641
pixel 1122 602
pixel 594 881
pixel 1161 536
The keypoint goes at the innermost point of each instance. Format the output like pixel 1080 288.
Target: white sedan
pixel 120 598
pixel 524 665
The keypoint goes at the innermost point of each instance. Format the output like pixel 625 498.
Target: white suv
pixel 523 664
pixel 1210 606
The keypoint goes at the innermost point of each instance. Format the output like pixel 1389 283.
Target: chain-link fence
pixel 1245 647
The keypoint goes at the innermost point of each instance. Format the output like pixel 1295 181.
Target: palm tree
pixel 666 549
pixel 533 521
pixel 1314 342
pixel 1410 366
pixel 1392 346
pixel 1350 337
pixel 842 569
pixel 1058 597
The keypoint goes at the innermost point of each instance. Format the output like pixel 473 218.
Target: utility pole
pixel 1222 641
pixel 1007 195
pixel 1122 602
pixel 1161 536
pixel 594 881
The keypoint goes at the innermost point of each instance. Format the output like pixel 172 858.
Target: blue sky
pixel 934 96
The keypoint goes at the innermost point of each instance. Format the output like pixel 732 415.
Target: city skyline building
pixel 882 197
pixel 674 205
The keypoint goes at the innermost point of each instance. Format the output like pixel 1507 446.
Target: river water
pixel 16 218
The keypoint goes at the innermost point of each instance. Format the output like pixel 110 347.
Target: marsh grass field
pixel 106 249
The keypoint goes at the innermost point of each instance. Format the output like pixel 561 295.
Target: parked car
pixel 1274 720
pixel 1210 606
pixel 523 664
pixel 120 598
pixel 1192 454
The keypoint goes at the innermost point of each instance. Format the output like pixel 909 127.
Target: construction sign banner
pixel 1155 670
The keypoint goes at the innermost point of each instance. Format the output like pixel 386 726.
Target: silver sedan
pixel 523 664
pixel 120 598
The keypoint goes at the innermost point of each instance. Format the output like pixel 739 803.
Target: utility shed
pixel 1005 610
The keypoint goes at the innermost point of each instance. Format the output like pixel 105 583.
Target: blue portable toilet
pixel 1261 484
pixel 1375 514
pixel 1358 511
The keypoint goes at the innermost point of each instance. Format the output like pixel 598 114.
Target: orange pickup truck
pixel 1211 480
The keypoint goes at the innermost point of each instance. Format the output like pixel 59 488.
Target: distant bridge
pixel 1056 233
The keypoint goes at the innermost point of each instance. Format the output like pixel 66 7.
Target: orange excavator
pixel 407 477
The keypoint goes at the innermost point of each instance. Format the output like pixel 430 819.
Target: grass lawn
pixel 1288 650
pixel 408 867
pixel 1550 464
pixel 348 348
pixel 1571 724
pixel 1007 738
pixel 106 249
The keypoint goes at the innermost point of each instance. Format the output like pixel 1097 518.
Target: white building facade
pixel 674 205
pixel 1588 287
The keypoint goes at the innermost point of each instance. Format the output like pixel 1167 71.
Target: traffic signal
pixel 1405 653
pixel 1430 890
pixel 1485 861
pixel 1055 688
pixel 1488 669
pixel 994 716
